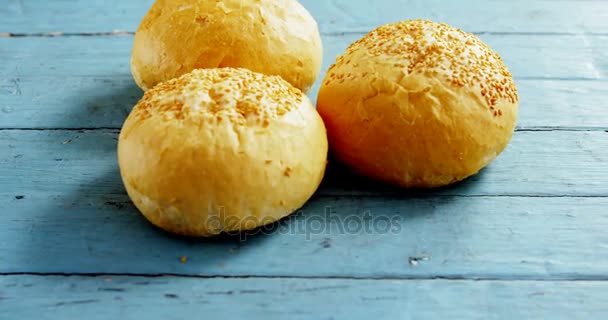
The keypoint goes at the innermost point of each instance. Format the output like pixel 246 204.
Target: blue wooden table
pixel 527 238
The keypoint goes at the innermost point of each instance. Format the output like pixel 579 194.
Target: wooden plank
pixel 84 82
pixel 76 16
pixel 69 102
pixel 498 16
pixel 535 164
pixel 527 56
pixel 65 211
pixel 84 232
pixel 105 102
pixel 553 163
pixel 32 297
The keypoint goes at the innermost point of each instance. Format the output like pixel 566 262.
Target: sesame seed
pixel 214 95
pixel 287 172
pixel 434 49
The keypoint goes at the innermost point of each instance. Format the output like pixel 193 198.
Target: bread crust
pixel 273 37
pixel 221 150
pixel 418 104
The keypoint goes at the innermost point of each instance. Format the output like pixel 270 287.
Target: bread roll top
pixel 220 150
pixel 419 104
pixel 274 37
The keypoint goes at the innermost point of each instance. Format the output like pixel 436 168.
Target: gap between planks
pixel 54 34
pixel 413 195
pixel 117 129
pixel 553 278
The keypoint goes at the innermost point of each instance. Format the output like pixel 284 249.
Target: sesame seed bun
pixel 418 104
pixel 221 150
pixel 273 37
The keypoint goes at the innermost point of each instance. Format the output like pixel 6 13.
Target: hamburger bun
pixel 273 37
pixel 418 104
pixel 221 150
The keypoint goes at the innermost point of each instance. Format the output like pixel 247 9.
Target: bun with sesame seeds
pixel 418 104
pixel 273 37
pixel 221 150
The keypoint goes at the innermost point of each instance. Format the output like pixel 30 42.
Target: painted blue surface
pixel 96 89
pixel 524 239
pixel 111 297
pixel 498 16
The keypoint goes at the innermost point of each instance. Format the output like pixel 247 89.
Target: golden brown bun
pixel 273 37
pixel 419 104
pixel 221 150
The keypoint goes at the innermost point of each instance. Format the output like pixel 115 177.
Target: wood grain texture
pixel 541 16
pixel 65 211
pixel 526 238
pixel 551 163
pixel 84 82
pixel 453 237
pixel 527 56
pixel 30 297
pixel 105 102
